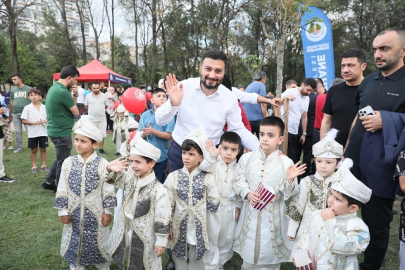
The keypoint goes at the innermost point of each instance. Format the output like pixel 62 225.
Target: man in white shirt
pixel 80 100
pixel 298 109
pixel 203 102
pixel 96 104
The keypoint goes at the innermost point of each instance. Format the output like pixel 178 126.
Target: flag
pixel 266 195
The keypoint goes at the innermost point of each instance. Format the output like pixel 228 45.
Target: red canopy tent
pixel 95 71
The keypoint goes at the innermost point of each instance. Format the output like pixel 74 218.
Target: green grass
pixel 30 232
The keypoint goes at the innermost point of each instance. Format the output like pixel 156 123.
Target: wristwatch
pixel 304 134
pixel 269 99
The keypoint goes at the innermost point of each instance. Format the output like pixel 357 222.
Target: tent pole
pixel 109 83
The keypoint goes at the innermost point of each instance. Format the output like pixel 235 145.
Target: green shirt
pixel 60 118
pixel 20 98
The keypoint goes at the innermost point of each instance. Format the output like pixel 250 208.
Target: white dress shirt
pixel 211 112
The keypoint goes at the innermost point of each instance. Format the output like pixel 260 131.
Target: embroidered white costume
pixel 335 243
pixel 221 225
pixel 313 193
pixel 191 196
pixel 141 223
pixel 84 196
pixel 261 236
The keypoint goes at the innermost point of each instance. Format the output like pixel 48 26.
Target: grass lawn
pixel 30 232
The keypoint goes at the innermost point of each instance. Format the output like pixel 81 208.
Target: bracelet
pixel 304 134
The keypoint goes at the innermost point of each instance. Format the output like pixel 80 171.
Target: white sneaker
pixel 10 147
pixel 18 150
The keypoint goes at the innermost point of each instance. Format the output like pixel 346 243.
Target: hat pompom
pixel 346 164
pixel 331 135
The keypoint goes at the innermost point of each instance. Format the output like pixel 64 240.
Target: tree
pixel 81 9
pixel 10 11
pixel 61 6
pixel 95 17
pixel 110 6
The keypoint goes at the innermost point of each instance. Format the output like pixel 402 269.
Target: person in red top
pixel 320 102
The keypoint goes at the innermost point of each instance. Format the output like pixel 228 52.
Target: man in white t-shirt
pixel 298 108
pixel 96 103
pixel 80 100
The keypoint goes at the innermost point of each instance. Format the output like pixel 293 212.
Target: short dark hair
pixel 158 90
pixel 16 74
pixel 68 71
pixel 95 83
pixel 148 159
pixel 400 32
pixel 290 82
pixel 337 81
pixel 319 80
pixel 215 54
pixel 310 82
pixel 355 53
pixel 34 91
pixel 231 137
pixel 188 144
pixel 350 200
pixel 275 122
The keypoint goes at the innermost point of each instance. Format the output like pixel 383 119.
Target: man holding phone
pixel 61 109
pixel 382 91
pixel 338 109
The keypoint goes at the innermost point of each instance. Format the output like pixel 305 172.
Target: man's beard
pixel 210 87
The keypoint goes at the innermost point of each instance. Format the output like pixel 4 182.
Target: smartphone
pixel 366 111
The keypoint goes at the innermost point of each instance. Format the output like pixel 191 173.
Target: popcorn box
pixel 266 195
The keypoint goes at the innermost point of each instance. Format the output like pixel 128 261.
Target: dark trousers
pixel 174 157
pixel 316 137
pixel 81 108
pixel 377 214
pixel 255 125
pixel 160 170
pixel 307 156
pixel 294 147
pixel 110 123
pixel 63 146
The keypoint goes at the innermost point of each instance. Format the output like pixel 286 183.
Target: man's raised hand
pixel 174 92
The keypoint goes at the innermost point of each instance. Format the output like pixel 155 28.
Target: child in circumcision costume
pixel 336 235
pixel 193 195
pixel 121 125
pixel 141 226
pixel 84 202
pixel 222 162
pixel 314 190
pixel 261 236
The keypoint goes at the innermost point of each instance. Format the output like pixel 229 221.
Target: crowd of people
pixel 201 174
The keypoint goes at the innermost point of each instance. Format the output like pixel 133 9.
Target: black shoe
pixel 6 179
pixel 171 265
pixel 101 151
pixel 117 154
pixel 52 186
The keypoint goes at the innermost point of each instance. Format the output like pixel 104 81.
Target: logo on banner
pixel 318 34
pixel 111 77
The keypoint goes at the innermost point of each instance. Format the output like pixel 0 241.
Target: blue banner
pixel 317 44
pixel 119 79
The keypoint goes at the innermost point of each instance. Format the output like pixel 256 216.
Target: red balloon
pixel 134 100
pixel 148 95
pixel 116 104
pixel 132 135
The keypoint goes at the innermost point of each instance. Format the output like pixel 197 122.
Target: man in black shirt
pixel 338 109
pixel 382 90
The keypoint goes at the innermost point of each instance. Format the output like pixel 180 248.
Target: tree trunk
pixel 195 26
pixel 67 35
pixel 165 61
pixel 154 38
pixel 138 78
pixel 112 36
pixel 84 52
pixel 280 65
pixel 13 39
